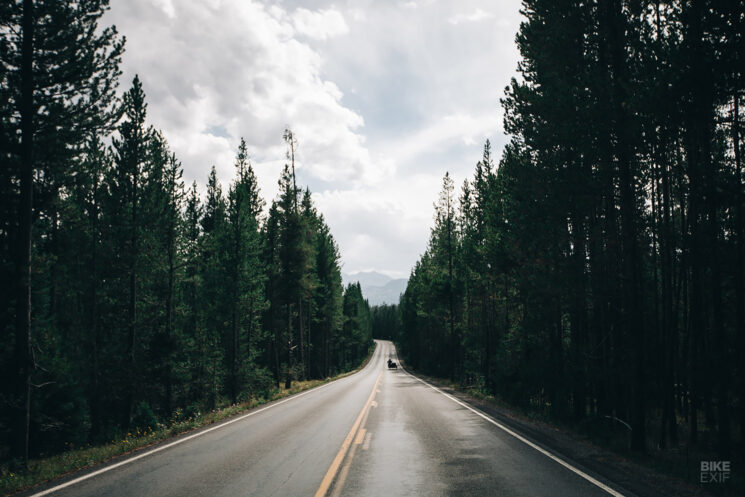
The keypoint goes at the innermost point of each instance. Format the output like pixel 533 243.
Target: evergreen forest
pixel 129 298
pixel 594 272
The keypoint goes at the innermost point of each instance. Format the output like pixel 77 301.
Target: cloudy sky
pixel 384 98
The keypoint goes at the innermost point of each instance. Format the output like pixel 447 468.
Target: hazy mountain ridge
pixel 377 288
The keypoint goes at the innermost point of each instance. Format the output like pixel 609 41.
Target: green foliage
pixel 385 321
pixel 57 90
pixel 307 318
pixel 356 334
pixel 144 417
pixel 587 272
pixel 79 456
pixel 152 305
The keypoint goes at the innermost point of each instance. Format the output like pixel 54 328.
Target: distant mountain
pixel 386 294
pixel 377 288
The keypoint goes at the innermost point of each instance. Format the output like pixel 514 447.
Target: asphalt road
pixel 379 432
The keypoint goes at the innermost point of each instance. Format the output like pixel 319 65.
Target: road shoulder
pixel 233 414
pixel 576 449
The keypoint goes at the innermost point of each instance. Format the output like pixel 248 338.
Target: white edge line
pixel 543 451
pixel 185 439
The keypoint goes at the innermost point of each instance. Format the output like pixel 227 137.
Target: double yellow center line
pixel 328 479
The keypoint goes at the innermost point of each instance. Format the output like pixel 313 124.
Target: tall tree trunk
pixel 94 319
pixel 326 350
pixel 669 320
pixel 720 346
pixel 288 377
pixel 614 363
pixel 249 331
pixel 682 294
pixel 234 304
pixel 578 316
pixel 455 343
pixel 739 284
pixel 169 319
pixel 234 340
pixel 213 386
pixel 697 142
pixel 54 252
pixel 633 309
pixel 600 327
pixel 301 333
pixel 132 337
pixel 486 337
pixel 275 356
pixel 556 379
pixel 196 391
pixel 308 371
pixel 24 361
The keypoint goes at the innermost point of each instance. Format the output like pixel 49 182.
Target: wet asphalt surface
pixel 412 440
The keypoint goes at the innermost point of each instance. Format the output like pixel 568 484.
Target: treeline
pixel 385 321
pixel 128 298
pixel 598 270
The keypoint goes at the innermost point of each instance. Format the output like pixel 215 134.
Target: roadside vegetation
pixel 133 305
pixel 77 458
pixel 597 267
pixel 594 272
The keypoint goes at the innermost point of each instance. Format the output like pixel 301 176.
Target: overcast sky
pixel 383 96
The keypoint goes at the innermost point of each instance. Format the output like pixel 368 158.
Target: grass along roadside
pixel 49 468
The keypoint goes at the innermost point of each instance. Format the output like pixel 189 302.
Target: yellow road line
pixel 360 436
pixel 342 477
pixel 328 479
pixel 160 448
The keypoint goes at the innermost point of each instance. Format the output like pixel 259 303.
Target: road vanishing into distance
pixel 378 432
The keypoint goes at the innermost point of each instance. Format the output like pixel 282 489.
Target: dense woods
pixel 127 297
pixel 595 270
pixel 385 321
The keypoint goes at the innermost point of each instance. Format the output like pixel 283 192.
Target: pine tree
pixel 327 298
pixel 356 337
pixel 443 246
pixel 246 279
pixel 291 268
pixel 215 303
pixel 58 87
pixel 193 325
pixel 594 255
pixel 131 160
pixel 135 279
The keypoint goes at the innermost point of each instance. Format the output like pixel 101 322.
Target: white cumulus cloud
pixel 475 16
pixel 237 66
pixel 321 24
pixel 383 97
